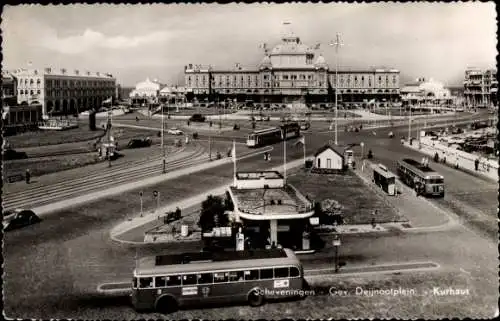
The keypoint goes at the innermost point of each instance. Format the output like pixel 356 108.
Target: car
pixel 18 218
pixel 139 142
pixel 197 118
pixel 174 131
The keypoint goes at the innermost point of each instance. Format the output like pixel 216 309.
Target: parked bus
pixel 272 135
pixel 167 282
pixel 384 179
pixel 410 171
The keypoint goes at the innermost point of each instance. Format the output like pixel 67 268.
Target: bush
pixel 212 213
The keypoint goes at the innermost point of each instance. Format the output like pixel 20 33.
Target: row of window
pixel 26 92
pixel 217 277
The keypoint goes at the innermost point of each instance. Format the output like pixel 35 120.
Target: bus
pixel 410 171
pixel 384 179
pixel 272 135
pixel 165 283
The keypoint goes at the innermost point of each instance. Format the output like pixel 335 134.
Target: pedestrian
pixel 456 162
pixel 136 119
pixel 476 164
pixel 28 176
pixel 374 213
pixel 423 161
pixel 436 157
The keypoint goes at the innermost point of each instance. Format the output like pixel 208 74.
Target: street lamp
pixel 336 244
pixel 164 161
pixel 337 44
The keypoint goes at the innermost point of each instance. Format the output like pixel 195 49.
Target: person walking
pixel 28 176
pixel 476 164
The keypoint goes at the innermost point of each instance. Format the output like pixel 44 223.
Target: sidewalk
pixel 421 213
pixel 487 168
pixel 138 221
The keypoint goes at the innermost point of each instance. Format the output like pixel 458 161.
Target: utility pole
pixel 337 44
pixel 409 126
pixel 164 160
pixel 110 113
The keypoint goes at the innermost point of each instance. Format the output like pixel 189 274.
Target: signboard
pixel 314 220
pixel 281 284
pixel 190 290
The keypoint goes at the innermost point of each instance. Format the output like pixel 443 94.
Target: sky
pixel 133 42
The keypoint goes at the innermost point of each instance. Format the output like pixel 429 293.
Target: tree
pixel 212 213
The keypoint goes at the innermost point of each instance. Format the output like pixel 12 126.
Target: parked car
pixel 19 218
pixel 197 118
pixel 139 142
pixel 174 131
pixel 11 154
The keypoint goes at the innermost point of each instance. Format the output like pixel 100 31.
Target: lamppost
pixel 164 160
pixel 336 244
pixel 337 44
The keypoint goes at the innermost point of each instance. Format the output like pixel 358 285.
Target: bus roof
pixel 413 163
pixel 383 172
pixel 205 261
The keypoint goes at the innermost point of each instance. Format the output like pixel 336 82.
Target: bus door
pixel 390 186
pixel 349 157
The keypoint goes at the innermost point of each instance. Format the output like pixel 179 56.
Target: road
pixel 64 258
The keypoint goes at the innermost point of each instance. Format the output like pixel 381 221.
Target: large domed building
pixel 291 72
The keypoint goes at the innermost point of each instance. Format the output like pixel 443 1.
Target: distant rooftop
pixel 61 72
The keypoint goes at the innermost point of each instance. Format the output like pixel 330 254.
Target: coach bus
pixel 411 171
pixel 272 135
pixel 167 282
pixel 384 179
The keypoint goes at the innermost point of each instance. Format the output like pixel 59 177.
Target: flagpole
pixel 304 149
pixel 234 161
pixel 284 158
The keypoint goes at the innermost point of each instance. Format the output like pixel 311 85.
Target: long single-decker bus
pixel 166 282
pixel 411 171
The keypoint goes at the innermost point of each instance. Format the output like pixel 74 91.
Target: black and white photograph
pixel 250 161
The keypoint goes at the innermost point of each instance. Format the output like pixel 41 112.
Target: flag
pixel 286 22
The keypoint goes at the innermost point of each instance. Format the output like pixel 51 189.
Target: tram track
pixel 49 193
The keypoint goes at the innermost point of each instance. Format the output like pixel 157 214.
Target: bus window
pixel 435 181
pixel 220 277
pixel 205 278
pixel 391 180
pixel 160 281
pixel 266 273
pixel 173 280
pixel 145 283
pixel 189 279
pixel 294 272
pixel 134 283
pixel 252 275
pixel 235 276
pixel 281 272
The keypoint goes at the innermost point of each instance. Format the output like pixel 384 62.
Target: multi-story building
pixel 290 73
pixel 480 87
pixel 425 92
pixel 62 91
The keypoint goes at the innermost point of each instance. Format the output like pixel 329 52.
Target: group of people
pixel 425 161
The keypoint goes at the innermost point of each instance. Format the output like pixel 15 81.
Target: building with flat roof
pixel 271 211
pixel 480 88
pixel 426 92
pixel 291 72
pixel 63 91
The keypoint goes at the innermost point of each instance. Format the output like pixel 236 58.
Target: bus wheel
pixel 255 298
pixel 166 305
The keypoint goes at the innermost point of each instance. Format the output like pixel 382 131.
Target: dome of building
pixel 266 62
pixel 290 45
pixel 321 62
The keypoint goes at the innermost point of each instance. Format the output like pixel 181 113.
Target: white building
pixel 62 91
pixel 328 157
pixel 146 92
pixel 426 92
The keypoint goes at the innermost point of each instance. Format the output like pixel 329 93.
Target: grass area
pixel 46 165
pixel 358 200
pixel 53 137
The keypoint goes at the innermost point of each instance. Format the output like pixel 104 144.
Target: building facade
pixel 328 157
pixel 291 72
pixel 480 88
pixel 63 92
pixel 427 92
